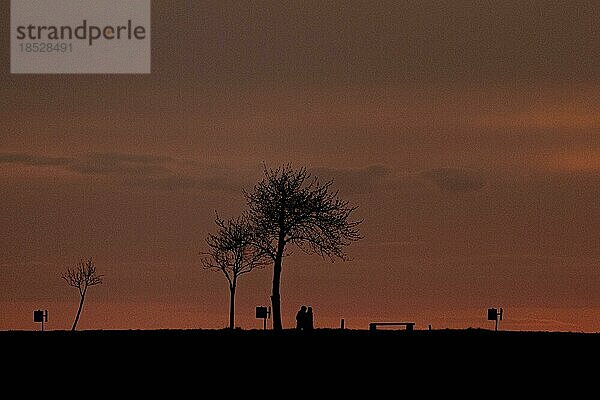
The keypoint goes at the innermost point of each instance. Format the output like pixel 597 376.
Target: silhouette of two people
pixel 304 319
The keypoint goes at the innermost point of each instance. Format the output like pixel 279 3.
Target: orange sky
pixel 466 132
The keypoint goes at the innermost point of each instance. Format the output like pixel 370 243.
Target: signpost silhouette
pixel 495 314
pixel 40 316
pixel 264 313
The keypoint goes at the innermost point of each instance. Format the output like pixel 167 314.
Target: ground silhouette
pixel 335 362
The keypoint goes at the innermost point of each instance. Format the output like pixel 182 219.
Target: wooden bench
pixel 409 325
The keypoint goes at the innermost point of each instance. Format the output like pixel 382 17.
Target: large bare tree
pixel 81 278
pixel 289 207
pixel 232 252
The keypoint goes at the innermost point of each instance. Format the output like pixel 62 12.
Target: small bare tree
pixel 231 251
pixel 289 207
pixel 82 277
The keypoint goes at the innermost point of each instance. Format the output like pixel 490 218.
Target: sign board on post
pixel 261 312
pixel 492 314
pixel 38 316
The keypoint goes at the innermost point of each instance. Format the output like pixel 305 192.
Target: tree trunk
pixel 275 297
pixel 231 306
pixel 78 313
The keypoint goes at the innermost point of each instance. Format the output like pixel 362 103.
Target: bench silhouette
pixel 409 325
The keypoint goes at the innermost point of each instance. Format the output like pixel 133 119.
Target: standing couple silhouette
pixel 304 319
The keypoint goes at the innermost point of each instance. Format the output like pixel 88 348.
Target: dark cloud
pixel 221 179
pixel 356 180
pixel 140 170
pixel 380 178
pixel 454 179
pixel 33 160
pixel 120 164
pixel 94 163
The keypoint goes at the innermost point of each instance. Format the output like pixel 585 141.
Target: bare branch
pixel 292 205
pixel 82 276
pixel 233 249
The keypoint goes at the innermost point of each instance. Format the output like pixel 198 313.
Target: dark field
pixel 393 344
pixel 328 361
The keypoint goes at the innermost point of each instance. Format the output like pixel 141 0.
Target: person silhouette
pixel 301 319
pixel 309 319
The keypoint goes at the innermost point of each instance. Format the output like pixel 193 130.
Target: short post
pixel 342 324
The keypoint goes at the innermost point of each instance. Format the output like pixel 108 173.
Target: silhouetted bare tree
pixel 289 206
pixel 82 277
pixel 231 251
